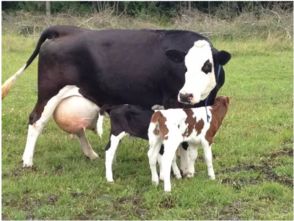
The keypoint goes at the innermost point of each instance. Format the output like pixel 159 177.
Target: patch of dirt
pixel 265 168
pixel 282 152
pixel 19 171
pixel 136 204
pixel 239 183
pixel 58 170
pixel 231 212
pixel 52 199
pixel 168 202
pixel 76 194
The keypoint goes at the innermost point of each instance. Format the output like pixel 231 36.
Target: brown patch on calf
pixel 218 111
pixel 199 126
pixel 161 129
pixel 192 123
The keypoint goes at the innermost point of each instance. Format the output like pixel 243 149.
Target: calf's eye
pixel 207 67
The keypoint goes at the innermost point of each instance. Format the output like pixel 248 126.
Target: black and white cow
pixel 141 67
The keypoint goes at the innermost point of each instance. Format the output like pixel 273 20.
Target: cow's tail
pixel 49 33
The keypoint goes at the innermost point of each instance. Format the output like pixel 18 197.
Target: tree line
pixel 156 8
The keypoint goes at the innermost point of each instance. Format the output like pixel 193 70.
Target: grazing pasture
pixel 252 152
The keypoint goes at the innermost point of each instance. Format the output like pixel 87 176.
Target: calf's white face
pixel 200 76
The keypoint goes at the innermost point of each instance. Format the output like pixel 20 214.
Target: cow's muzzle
pixel 186 98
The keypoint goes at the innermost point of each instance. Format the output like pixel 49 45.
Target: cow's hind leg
pixel 38 119
pixel 86 146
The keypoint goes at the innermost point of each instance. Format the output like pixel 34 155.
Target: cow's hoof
pixel 93 156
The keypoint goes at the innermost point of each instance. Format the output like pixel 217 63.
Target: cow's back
pixel 116 66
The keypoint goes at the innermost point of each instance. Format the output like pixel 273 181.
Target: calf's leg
pixel 208 159
pixel 167 158
pixel 110 152
pixel 153 153
pixel 192 156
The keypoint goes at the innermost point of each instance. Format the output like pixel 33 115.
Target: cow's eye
pixel 207 67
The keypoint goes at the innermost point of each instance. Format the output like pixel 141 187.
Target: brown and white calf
pixel 172 127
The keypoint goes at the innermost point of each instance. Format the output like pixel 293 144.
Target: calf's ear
pixel 222 57
pixel 175 55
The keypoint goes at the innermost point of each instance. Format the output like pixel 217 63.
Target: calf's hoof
pixel 190 175
pixel 212 177
pixel 27 163
pixel 110 180
pixel 155 182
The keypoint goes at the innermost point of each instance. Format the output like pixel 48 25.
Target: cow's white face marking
pixel 200 76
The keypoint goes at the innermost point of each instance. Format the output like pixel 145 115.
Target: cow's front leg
pixel 110 153
pixel 86 146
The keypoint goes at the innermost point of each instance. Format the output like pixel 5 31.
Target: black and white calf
pixel 139 67
pixel 171 127
pixel 125 120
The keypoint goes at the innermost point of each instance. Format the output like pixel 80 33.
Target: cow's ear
pixel 222 57
pixel 175 55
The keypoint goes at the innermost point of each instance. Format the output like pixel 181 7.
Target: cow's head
pixel 201 62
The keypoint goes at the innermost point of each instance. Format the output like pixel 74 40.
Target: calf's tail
pixel 99 125
pixel 49 33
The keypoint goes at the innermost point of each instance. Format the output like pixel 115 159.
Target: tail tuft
pixel 10 81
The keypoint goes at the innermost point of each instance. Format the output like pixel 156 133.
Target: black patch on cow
pixel 107 146
pixel 176 56
pixel 207 67
pixel 185 145
pixel 161 151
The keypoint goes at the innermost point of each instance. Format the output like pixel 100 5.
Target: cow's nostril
pixel 190 96
pixel 186 98
pixel 182 96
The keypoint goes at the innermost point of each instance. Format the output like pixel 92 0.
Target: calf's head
pixel 202 62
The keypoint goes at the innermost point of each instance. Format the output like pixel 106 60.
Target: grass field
pixel 252 153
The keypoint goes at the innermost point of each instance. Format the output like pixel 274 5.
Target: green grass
pixel 252 152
